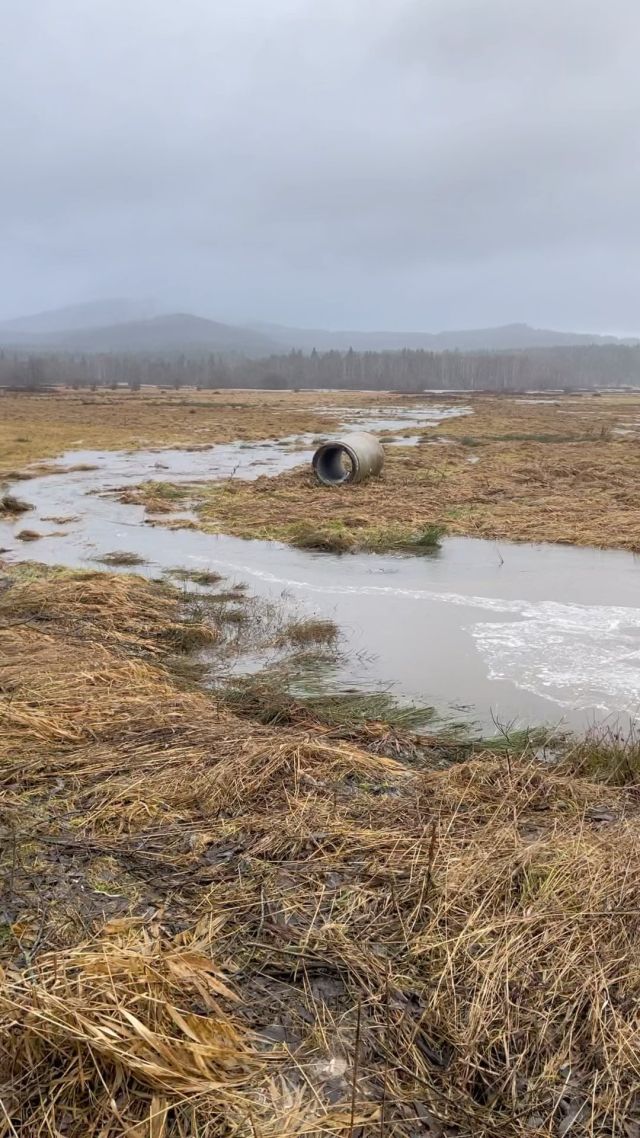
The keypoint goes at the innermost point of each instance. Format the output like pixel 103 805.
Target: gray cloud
pixel 398 163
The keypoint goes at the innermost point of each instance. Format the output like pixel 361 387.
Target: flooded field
pixel 508 633
pixel 394 418
pixel 224 893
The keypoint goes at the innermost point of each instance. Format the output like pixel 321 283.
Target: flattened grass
pixel 213 926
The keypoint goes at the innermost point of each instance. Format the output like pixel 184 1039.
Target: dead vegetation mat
pixel 211 927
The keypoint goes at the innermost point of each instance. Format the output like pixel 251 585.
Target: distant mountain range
pixel 94 314
pixel 125 326
pixel 116 326
pixel 507 337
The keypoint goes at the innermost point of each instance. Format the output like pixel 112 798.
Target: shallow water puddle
pixel 393 418
pixel 521 633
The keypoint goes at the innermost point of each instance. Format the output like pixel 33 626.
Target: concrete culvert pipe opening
pixel 349 459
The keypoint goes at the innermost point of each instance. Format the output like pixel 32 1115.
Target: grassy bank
pixel 213 926
pixel 513 470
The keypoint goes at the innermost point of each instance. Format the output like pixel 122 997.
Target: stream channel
pixel 517 634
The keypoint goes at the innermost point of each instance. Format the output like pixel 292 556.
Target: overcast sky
pixel 406 164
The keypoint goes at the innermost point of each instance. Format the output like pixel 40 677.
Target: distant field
pixel 35 426
pixel 564 469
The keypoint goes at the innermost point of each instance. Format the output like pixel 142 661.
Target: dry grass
pixel 121 557
pixel 217 928
pixel 541 472
pixel 35 427
pixel 546 471
pixel 301 633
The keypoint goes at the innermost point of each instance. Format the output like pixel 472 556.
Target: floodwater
pixel 516 633
pixel 394 418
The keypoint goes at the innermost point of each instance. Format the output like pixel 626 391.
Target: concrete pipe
pixel 349 459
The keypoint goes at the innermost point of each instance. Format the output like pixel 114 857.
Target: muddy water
pixel 518 633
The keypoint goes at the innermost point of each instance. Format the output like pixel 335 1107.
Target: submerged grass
pixel 121 557
pixel 197 576
pixel 284 695
pixel 10 504
pixel 300 633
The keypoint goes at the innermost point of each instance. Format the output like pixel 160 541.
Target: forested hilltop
pixel 592 366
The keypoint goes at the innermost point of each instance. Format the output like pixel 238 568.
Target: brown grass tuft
pixel 9 504
pixel 301 633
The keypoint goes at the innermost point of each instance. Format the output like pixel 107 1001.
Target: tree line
pixel 609 365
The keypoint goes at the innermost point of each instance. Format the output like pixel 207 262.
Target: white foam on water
pixel 578 656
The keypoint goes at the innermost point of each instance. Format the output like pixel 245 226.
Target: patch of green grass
pixel 279 696
pixel 169 491
pixel 605 756
pixel 338 537
pixel 519 740
pixel 429 538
